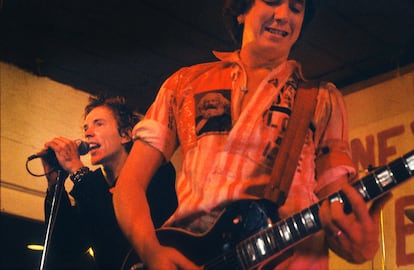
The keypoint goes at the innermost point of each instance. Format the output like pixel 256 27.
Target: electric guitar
pixel 248 233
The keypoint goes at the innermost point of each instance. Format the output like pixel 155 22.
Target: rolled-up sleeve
pixel 158 128
pixel 333 155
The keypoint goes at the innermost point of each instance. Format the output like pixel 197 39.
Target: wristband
pixel 77 176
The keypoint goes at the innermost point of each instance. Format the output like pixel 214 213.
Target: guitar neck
pixel 288 232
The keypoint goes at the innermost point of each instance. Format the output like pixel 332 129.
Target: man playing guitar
pixel 232 163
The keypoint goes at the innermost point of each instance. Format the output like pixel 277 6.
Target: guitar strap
pixel 292 143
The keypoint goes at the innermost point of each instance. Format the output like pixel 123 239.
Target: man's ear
pixel 240 19
pixel 126 136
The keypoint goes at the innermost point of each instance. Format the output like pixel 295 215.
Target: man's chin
pixel 95 161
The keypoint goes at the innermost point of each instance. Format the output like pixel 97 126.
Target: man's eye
pixel 98 123
pixel 272 2
pixel 297 9
pixel 297 6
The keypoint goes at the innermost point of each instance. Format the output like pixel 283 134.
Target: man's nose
pixel 281 12
pixel 88 133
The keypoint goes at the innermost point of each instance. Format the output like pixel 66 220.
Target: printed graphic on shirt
pixel 213 111
pixel 276 119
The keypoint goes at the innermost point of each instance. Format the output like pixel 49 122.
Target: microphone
pixel 49 154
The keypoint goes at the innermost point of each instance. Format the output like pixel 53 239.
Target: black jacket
pixel 91 222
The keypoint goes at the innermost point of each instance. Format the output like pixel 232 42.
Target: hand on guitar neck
pixel 353 235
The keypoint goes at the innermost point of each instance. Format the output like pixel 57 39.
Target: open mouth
pixel 277 31
pixel 93 146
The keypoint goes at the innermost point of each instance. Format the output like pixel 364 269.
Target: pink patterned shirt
pixel 227 154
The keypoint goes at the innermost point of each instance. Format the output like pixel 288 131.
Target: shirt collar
pixel 234 57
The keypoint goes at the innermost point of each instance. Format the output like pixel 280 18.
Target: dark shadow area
pixel 129 47
pixel 15 234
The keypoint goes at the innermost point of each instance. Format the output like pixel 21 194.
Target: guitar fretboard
pixel 285 233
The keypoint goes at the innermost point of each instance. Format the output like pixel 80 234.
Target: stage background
pixel 381 124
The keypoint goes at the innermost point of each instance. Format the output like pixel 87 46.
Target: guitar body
pixel 216 248
pixel 237 222
pixel 248 234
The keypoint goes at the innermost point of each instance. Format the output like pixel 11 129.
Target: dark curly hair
pixel 126 118
pixel 233 8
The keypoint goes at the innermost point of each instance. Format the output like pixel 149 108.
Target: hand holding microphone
pixel 62 153
pixel 83 149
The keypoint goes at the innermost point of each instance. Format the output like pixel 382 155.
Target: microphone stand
pixel 57 195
